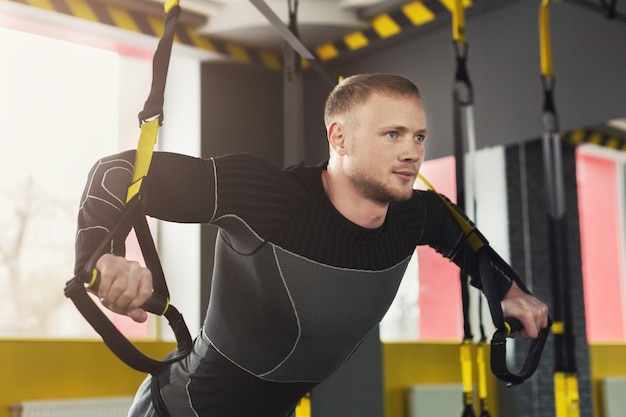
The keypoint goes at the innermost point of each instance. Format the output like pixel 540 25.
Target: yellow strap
pixel 472 238
pixel 145 148
pixel 544 39
pixel 558 327
pixel 169 5
pixel 458 22
pixel 482 371
pixel 303 408
pixel 466 368
pixel 566 400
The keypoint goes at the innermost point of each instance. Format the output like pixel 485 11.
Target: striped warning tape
pixel 121 14
pixel 384 26
pixel 596 137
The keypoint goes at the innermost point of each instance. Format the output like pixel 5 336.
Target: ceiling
pixel 238 22
pixel 318 21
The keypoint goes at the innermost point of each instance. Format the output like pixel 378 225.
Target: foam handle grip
pixel 512 325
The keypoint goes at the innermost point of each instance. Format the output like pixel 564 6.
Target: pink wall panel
pixel 600 247
pixel 441 314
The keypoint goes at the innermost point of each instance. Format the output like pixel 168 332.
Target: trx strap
pixel 565 375
pixel 482 367
pixel 488 260
pixel 133 217
pixel 464 140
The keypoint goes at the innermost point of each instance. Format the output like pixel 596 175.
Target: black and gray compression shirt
pixel 296 286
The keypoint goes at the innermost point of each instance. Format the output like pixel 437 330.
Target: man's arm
pixel 451 242
pixel 179 188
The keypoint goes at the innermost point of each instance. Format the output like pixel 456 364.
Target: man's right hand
pixel 124 286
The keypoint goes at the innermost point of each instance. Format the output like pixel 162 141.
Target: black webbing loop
pixel 118 343
pixel 153 106
pixel 159 304
pixel 488 262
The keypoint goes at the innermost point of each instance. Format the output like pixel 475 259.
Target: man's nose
pixel 411 151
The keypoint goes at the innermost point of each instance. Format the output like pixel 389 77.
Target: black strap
pixel 488 262
pixel 159 304
pixel 133 217
pixel 153 106
pixel 462 98
pixel 157 399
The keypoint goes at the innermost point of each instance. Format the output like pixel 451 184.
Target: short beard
pixel 375 190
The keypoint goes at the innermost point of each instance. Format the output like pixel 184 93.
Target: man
pixel 307 260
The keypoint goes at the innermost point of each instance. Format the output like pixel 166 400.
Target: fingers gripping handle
pixel 132 218
pixel 157 304
pixel 75 289
pixel 506 327
pixel 499 365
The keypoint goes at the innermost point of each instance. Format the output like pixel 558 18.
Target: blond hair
pixel 354 91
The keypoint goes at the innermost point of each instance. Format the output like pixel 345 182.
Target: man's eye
pixel 393 134
pixel 420 138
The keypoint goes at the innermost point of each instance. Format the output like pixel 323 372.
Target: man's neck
pixel 352 205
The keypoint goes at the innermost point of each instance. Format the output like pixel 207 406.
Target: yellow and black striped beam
pixel 143 17
pixel 146 17
pixel 387 25
pixel 595 137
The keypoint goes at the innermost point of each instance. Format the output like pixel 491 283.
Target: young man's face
pixel 385 147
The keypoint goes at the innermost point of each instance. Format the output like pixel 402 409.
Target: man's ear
pixel 337 137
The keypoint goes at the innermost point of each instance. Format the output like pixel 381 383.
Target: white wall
pixel 178 244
